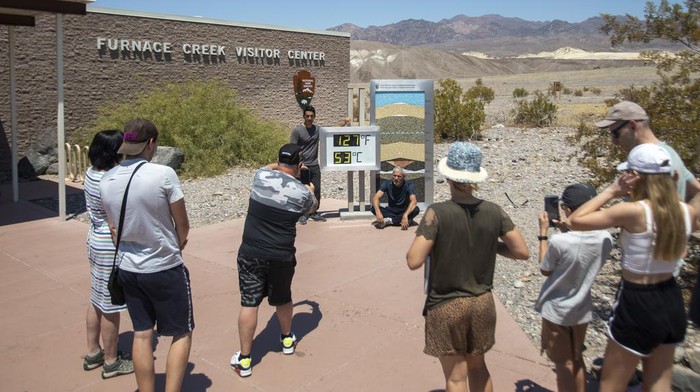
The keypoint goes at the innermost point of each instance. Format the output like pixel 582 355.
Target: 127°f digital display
pixel 346 140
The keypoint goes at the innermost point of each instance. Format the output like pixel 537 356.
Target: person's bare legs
pixel 571 375
pixel 478 374
pixel 92 326
pixel 658 368
pixel 454 367
pixel 109 329
pixel 143 360
pixel 247 323
pixel 618 368
pixel 178 356
pixel 284 316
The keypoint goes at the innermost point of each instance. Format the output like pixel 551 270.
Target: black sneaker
pixel 317 217
pixel 303 219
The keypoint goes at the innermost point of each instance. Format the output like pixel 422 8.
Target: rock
pixel 518 284
pixel 684 379
pixel 678 354
pixel 53 169
pixel 169 156
pixel 39 156
pixel 692 357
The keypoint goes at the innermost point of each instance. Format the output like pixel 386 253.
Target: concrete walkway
pixel 357 312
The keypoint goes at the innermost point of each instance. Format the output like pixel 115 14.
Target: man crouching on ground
pixel 266 258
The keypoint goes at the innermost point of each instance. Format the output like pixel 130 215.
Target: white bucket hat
pixel 463 164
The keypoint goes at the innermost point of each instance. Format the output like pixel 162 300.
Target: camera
pixel 305 176
pixel 551 207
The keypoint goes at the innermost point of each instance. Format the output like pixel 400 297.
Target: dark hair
pixel 309 108
pixel 103 149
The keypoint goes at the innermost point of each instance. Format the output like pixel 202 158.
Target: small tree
pixel 673 102
pixel 537 112
pixel 460 115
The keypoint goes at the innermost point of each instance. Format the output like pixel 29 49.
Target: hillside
pixel 374 60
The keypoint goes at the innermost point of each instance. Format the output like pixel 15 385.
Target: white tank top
pixel 638 248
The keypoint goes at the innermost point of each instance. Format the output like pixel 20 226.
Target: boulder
pixel 39 156
pixel 684 379
pixel 169 156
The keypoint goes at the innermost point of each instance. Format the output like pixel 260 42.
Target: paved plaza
pixel 357 312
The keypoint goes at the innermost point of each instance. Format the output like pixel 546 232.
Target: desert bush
pixel 566 90
pixel 672 103
pixel 459 115
pixel 578 93
pixel 536 112
pixel 585 89
pixel 595 90
pixel 204 119
pixel 519 92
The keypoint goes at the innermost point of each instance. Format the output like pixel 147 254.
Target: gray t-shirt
pixel 149 240
pixel 307 139
pixel 575 258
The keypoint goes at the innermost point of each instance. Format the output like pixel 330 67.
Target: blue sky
pixel 320 15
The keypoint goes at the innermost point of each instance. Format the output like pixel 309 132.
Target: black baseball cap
pixel 289 155
pixel 575 195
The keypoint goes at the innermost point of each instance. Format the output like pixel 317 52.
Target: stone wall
pixel 94 77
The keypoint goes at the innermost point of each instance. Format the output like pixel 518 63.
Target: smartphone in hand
pixel 551 206
pixel 305 176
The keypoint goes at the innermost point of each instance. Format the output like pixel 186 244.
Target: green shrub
pixel 204 119
pixel 537 112
pixel 578 93
pixel 460 115
pixel 520 93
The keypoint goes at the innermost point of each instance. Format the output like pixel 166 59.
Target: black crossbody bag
pixel 116 291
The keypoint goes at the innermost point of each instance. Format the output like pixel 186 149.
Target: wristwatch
pixel 542 237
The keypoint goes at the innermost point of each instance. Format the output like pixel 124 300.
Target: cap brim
pixel 132 148
pixel 623 166
pixel 461 175
pixel 605 123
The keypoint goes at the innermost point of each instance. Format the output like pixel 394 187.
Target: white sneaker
pixel 388 222
pixel 242 366
pixel 289 344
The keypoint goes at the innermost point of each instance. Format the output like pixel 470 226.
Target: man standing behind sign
pixel 306 136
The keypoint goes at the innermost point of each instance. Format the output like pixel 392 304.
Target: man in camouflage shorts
pixel 266 258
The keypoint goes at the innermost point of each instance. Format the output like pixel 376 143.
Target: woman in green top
pixel 462 236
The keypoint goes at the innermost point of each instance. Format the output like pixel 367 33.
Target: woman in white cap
pixel 462 237
pixel 648 316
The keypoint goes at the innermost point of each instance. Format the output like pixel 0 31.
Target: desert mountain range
pixel 464 47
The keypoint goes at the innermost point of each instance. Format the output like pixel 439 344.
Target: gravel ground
pixel 524 165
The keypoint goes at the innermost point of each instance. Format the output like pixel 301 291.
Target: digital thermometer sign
pixel 349 148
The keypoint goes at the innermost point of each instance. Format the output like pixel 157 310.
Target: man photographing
pixel 266 258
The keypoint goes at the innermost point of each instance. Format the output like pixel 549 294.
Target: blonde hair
pixel 660 190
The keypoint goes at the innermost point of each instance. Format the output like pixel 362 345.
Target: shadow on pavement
pixel 268 340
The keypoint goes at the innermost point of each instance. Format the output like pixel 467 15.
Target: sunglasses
pixel 616 132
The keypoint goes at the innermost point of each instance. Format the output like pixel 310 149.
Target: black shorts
pixel 646 316
pixel 259 278
pixel 163 299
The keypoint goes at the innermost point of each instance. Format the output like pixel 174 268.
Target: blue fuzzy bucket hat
pixel 463 164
